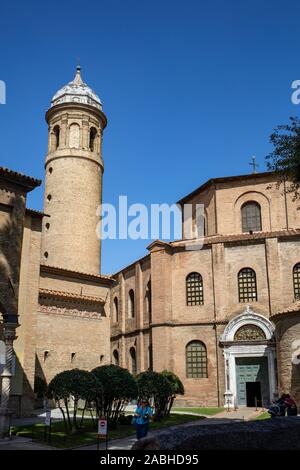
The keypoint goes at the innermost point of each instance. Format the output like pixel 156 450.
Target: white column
pixel 9 335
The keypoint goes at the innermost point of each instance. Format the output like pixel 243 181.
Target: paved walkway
pixel 22 443
pixel 221 418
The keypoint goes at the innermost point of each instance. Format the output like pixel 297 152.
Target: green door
pixel 252 369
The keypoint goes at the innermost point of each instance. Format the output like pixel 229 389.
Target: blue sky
pixel 191 89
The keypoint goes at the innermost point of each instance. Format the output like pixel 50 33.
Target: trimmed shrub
pixel 176 385
pixel 119 387
pixel 77 385
pixel 156 388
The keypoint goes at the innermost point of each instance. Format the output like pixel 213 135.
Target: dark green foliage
pixel 285 157
pixel 176 385
pixel 155 387
pixel 70 386
pixel 119 387
pixel 125 420
pixel 40 387
pixel 175 382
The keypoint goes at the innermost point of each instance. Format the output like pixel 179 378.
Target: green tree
pixel 155 387
pixel 119 387
pixel 68 388
pixel 285 157
pixel 176 385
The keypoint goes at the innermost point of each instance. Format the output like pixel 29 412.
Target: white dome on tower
pixel 76 91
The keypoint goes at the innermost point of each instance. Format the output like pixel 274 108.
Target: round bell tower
pixel 73 182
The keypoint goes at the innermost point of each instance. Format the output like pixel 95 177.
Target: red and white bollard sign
pixel 102 431
pixel 102 427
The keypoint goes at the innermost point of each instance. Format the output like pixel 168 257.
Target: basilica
pixel 225 318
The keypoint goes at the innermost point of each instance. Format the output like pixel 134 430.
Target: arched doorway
pixel 249 355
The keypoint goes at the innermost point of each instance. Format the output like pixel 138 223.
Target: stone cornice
pixel 86 108
pixel 147 328
pixel 239 238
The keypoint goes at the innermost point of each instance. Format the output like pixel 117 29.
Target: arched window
pixel 131 305
pixel 251 217
pixel 56 133
pixel 296 278
pixel 93 135
pixel 194 289
pixel 115 310
pixel 133 367
pixel 116 358
pixel 196 360
pixel 247 285
pixel 74 136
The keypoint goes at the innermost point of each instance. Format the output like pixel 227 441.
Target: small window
pixel 93 135
pixel 133 366
pixel 194 289
pixel 47 225
pixel 247 285
pixel 46 355
pixel 50 170
pixel 131 304
pixel 149 300
pixel 101 358
pixel 196 360
pixel 73 355
pixel 56 133
pixel 49 197
pixel 251 217
pixel 46 254
pixel 296 278
pixel 116 310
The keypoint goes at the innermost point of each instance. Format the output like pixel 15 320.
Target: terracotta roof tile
pixel 71 296
pixel 37 213
pixel 19 177
pixel 224 179
pixel 64 271
pixel 292 308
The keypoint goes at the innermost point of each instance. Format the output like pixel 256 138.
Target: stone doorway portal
pixel 249 356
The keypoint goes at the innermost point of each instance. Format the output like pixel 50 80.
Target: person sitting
pixel 291 406
pixel 278 408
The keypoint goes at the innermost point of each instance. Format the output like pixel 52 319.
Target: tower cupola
pixel 76 91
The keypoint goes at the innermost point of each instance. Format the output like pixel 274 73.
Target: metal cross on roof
pixel 254 164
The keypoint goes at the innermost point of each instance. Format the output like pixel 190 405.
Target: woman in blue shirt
pixel 143 413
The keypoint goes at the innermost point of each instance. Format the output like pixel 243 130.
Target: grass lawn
pixel 264 415
pixel 202 411
pixel 88 434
